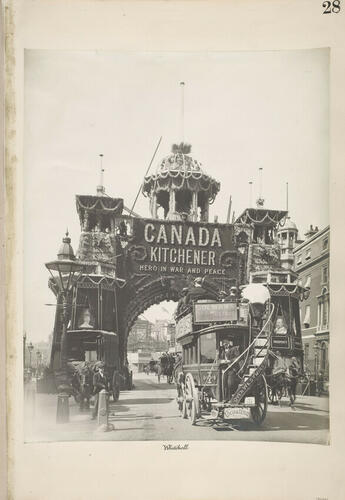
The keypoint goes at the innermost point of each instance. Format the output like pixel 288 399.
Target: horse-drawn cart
pixel 223 362
pixel 231 347
pixel 87 348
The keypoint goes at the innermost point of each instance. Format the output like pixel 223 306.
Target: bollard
pixel 62 411
pixel 103 412
pixel 30 399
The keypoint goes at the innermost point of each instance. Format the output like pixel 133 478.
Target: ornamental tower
pixel 287 239
pixel 180 189
pixel 97 215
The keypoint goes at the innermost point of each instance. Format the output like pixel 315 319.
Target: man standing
pixel 99 383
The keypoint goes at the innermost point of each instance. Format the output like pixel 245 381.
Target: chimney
pixel 311 231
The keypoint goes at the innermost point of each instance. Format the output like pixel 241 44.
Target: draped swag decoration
pixel 180 171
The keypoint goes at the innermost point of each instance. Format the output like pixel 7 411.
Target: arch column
pixel 205 212
pixel 172 202
pixel 195 205
pixel 154 206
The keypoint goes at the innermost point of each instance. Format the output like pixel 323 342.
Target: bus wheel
pixel 192 399
pixel 184 412
pixel 260 410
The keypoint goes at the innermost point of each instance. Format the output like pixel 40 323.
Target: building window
pixel 306 320
pixel 323 310
pixel 306 352
pixel 325 244
pixel 325 315
pixel 299 259
pixel 323 357
pixel 283 251
pixel 284 235
pixel 308 254
pixel 324 274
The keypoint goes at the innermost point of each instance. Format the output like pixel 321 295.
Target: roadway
pixel 149 413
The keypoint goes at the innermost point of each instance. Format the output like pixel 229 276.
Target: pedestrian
pixel 279 365
pixel 159 372
pixel 99 383
pixel 320 381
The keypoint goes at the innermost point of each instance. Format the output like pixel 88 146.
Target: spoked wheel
pixel 192 399
pixel 260 410
pixel 280 394
pixel 184 412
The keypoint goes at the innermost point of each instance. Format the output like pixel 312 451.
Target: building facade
pixel 311 262
pixel 140 336
pixel 149 337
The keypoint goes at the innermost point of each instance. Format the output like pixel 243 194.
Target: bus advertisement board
pixel 209 312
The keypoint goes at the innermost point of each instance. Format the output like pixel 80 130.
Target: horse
pixel 283 384
pixel 276 386
pixel 168 363
pixel 292 379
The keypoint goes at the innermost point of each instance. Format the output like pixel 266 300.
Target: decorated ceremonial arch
pixel 131 263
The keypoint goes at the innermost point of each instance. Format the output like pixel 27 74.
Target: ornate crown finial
pixel 181 148
pixel 66 239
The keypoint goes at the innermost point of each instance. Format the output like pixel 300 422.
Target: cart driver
pixel 295 367
pixel 231 379
pixel 279 365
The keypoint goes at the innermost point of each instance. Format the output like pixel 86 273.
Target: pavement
pixel 149 413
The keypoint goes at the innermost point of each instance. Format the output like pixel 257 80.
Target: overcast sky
pixel 243 110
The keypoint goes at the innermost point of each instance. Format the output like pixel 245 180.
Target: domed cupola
pixel 180 189
pixel 66 250
pixel 287 238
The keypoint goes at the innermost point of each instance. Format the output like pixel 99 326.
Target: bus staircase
pixel 258 354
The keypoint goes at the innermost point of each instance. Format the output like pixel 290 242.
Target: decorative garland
pixel 99 201
pixel 266 217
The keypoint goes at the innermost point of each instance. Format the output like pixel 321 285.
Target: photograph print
pixel 176 246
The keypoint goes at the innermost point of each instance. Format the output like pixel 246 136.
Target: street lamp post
pixel 38 361
pixel 30 348
pixel 64 271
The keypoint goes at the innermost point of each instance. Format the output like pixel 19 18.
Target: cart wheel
pixel 260 410
pixel 193 405
pixel 184 412
pixel 280 393
pixel 116 386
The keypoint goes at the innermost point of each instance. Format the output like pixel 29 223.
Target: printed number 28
pixel 331 7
